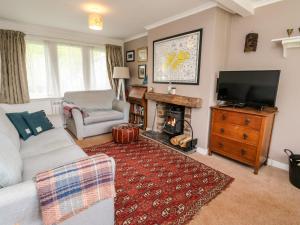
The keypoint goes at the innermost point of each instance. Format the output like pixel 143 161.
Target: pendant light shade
pixel 95 21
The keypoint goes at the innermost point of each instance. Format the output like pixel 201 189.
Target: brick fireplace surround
pixel 163 100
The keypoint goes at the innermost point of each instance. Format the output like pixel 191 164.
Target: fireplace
pixel 174 119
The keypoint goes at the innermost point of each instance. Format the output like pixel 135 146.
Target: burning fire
pixel 171 121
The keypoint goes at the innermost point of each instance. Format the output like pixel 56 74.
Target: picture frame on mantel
pixel 130 56
pixel 177 58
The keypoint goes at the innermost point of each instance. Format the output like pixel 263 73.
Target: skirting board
pixel 202 151
pixel 271 162
pixel 278 165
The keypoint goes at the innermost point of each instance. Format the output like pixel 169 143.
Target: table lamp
pixel 121 73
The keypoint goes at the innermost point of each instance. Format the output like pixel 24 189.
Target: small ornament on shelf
pixel 290 31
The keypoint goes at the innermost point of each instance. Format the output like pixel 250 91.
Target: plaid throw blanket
pixel 68 110
pixel 69 189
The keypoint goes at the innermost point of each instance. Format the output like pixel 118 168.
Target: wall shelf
pixel 289 42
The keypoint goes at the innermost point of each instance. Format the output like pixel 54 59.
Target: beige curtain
pixel 13 80
pixel 113 58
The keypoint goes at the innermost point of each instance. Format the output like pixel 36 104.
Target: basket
pixel 294 167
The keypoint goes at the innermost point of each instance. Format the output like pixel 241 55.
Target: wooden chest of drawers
pixel 241 134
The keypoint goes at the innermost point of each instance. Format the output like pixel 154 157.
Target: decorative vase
pixel 289 32
pixel 173 91
pixel 145 81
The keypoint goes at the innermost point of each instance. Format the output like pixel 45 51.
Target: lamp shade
pixel 95 21
pixel 121 73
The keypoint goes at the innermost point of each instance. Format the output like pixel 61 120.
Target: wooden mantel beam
pixel 174 99
pixel 241 7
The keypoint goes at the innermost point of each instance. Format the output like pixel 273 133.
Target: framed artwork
pixel 142 54
pixel 177 58
pixel 142 71
pixel 130 56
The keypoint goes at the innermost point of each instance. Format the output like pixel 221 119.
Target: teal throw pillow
pixel 20 124
pixel 38 122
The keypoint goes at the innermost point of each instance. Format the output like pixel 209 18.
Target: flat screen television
pixel 248 88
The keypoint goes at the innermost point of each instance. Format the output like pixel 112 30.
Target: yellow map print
pixel 174 60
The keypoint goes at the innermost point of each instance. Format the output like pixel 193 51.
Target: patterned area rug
pixel 157 185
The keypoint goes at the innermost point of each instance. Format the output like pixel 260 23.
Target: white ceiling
pixel 122 18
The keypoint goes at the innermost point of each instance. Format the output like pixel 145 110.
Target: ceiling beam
pixel 241 7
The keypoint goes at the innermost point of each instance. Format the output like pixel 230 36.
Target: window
pixel 99 77
pixel 36 70
pixel 70 68
pixel 53 69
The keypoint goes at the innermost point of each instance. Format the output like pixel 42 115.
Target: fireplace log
pixel 176 140
pixel 183 143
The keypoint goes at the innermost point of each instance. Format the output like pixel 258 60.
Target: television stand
pixel 242 134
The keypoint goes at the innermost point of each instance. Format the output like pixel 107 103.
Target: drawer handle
pixel 224 117
pixel 247 121
pixel 222 130
pixel 243 152
pixel 221 145
pixel 245 136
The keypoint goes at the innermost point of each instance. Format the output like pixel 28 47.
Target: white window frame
pixel 53 60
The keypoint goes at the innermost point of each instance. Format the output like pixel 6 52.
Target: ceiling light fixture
pixel 95 21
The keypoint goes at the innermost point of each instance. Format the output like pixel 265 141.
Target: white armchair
pixel 104 112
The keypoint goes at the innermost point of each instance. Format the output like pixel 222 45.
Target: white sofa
pixel 104 110
pixel 23 160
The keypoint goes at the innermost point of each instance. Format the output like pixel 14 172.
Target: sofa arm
pixel 123 107
pixel 19 204
pixel 78 120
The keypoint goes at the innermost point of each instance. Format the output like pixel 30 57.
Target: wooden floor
pixel 95 140
pixel 264 199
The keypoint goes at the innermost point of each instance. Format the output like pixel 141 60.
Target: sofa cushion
pixel 34 165
pixel 91 99
pixel 45 142
pixel 20 124
pixel 102 116
pixel 8 129
pixel 38 122
pixel 10 162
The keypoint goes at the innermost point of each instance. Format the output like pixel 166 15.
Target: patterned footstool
pixel 125 133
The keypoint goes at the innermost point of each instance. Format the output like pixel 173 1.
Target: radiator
pixel 56 107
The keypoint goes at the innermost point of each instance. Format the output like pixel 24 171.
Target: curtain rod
pixel 63 41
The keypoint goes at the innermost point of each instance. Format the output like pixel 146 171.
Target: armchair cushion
pixel 91 99
pixel 45 142
pixel 102 116
pixel 9 129
pixel 10 162
pixel 34 165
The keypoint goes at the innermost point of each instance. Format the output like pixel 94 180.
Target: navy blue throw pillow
pixel 20 124
pixel 38 122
